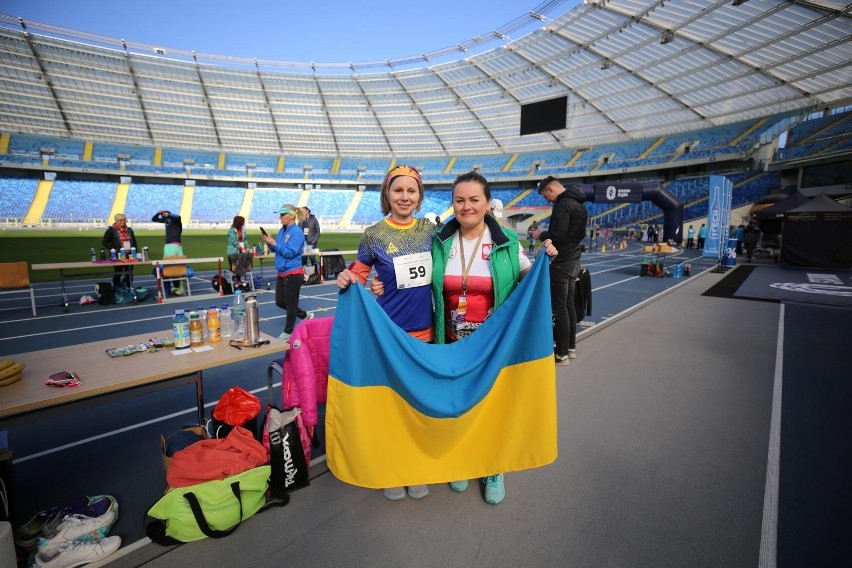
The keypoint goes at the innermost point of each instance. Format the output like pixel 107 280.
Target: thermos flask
pixel 252 321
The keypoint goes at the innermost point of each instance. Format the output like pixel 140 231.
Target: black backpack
pixel 104 291
pixel 222 283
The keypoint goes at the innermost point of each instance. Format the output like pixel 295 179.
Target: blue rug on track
pixel 814 494
pixel 801 285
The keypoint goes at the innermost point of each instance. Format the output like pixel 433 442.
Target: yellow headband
pixel 398 171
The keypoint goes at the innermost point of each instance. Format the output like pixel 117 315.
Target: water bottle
pixel 180 330
pixel 202 315
pixel 103 254
pixel 226 322
pixel 238 314
pixel 94 255
pixel 132 253
pixel 113 255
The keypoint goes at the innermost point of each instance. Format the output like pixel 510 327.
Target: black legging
pixel 287 298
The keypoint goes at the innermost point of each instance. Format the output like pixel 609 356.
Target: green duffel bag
pixel 212 509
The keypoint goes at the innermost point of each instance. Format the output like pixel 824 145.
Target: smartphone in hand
pixel 263 232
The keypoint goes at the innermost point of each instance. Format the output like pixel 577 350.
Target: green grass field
pixel 74 246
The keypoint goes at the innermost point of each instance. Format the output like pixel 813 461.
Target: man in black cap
pixel 567 230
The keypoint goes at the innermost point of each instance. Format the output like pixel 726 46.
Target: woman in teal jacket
pixel 476 264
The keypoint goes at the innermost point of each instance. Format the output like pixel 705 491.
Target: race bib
pixel 413 270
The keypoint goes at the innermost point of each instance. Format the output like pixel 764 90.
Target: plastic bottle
pixel 226 322
pixel 214 326
pixel 94 255
pixel 238 314
pixel 196 330
pixel 180 330
pixel 113 255
pixel 202 315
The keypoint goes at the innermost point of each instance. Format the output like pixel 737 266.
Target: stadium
pixel 666 95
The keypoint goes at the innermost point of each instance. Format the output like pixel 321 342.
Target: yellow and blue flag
pixel 404 412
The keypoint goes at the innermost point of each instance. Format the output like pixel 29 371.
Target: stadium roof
pixel 631 69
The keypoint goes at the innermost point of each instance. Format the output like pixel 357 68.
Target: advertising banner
pixel 718 216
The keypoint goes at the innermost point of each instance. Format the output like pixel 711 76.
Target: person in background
pixel 288 246
pixel 751 236
pixel 438 223
pixel 172 247
pixel 399 239
pixel 690 237
pixel 120 237
pixel 311 229
pixel 476 265
pixel 567 230
pixel 702 234
pixel 238 254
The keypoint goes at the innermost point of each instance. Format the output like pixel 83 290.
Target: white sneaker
pixel 562 361
pixel 79 527
pixel 77 553
pixel 572 353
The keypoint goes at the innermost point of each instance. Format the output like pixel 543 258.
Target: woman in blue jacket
pixel 288 247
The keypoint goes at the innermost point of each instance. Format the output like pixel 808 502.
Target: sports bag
pixel 222 283
pixel 212 509
pixel 104 292
pixel 289 444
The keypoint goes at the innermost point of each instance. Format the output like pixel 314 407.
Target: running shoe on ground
pixel 572 353
pixel 495 492
pixel 458 486
pixel 562 360
pixel 394 493
pixel 76 527
pixel 418 491
pixel 29 532
pixel 77 553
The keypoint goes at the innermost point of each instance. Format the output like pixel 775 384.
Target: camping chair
pixel 176 273
pixel 14 278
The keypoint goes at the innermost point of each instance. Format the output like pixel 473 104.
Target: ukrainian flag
pixel 404 412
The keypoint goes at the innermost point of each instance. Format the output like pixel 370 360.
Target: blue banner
pixel 718 215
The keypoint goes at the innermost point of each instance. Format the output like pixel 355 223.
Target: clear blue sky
pixel 330 31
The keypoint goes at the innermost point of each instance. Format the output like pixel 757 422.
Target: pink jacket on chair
pixel 305 380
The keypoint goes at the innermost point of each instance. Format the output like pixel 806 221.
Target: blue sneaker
pixel 284 337
pixel 458 486
pixel 495 492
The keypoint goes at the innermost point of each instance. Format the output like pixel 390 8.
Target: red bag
pixel 216 459
pixel 236 407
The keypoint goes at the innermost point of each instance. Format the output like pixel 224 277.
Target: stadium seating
pixel 16 196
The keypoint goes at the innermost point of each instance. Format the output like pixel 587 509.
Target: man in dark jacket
pixel 311 227
pixel 567 230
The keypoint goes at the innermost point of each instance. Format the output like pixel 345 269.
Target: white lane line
pixel 769 527
pixel 136 426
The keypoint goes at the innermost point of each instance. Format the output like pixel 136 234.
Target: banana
pixel 11 370
pixel 6 363
pixel 11 379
